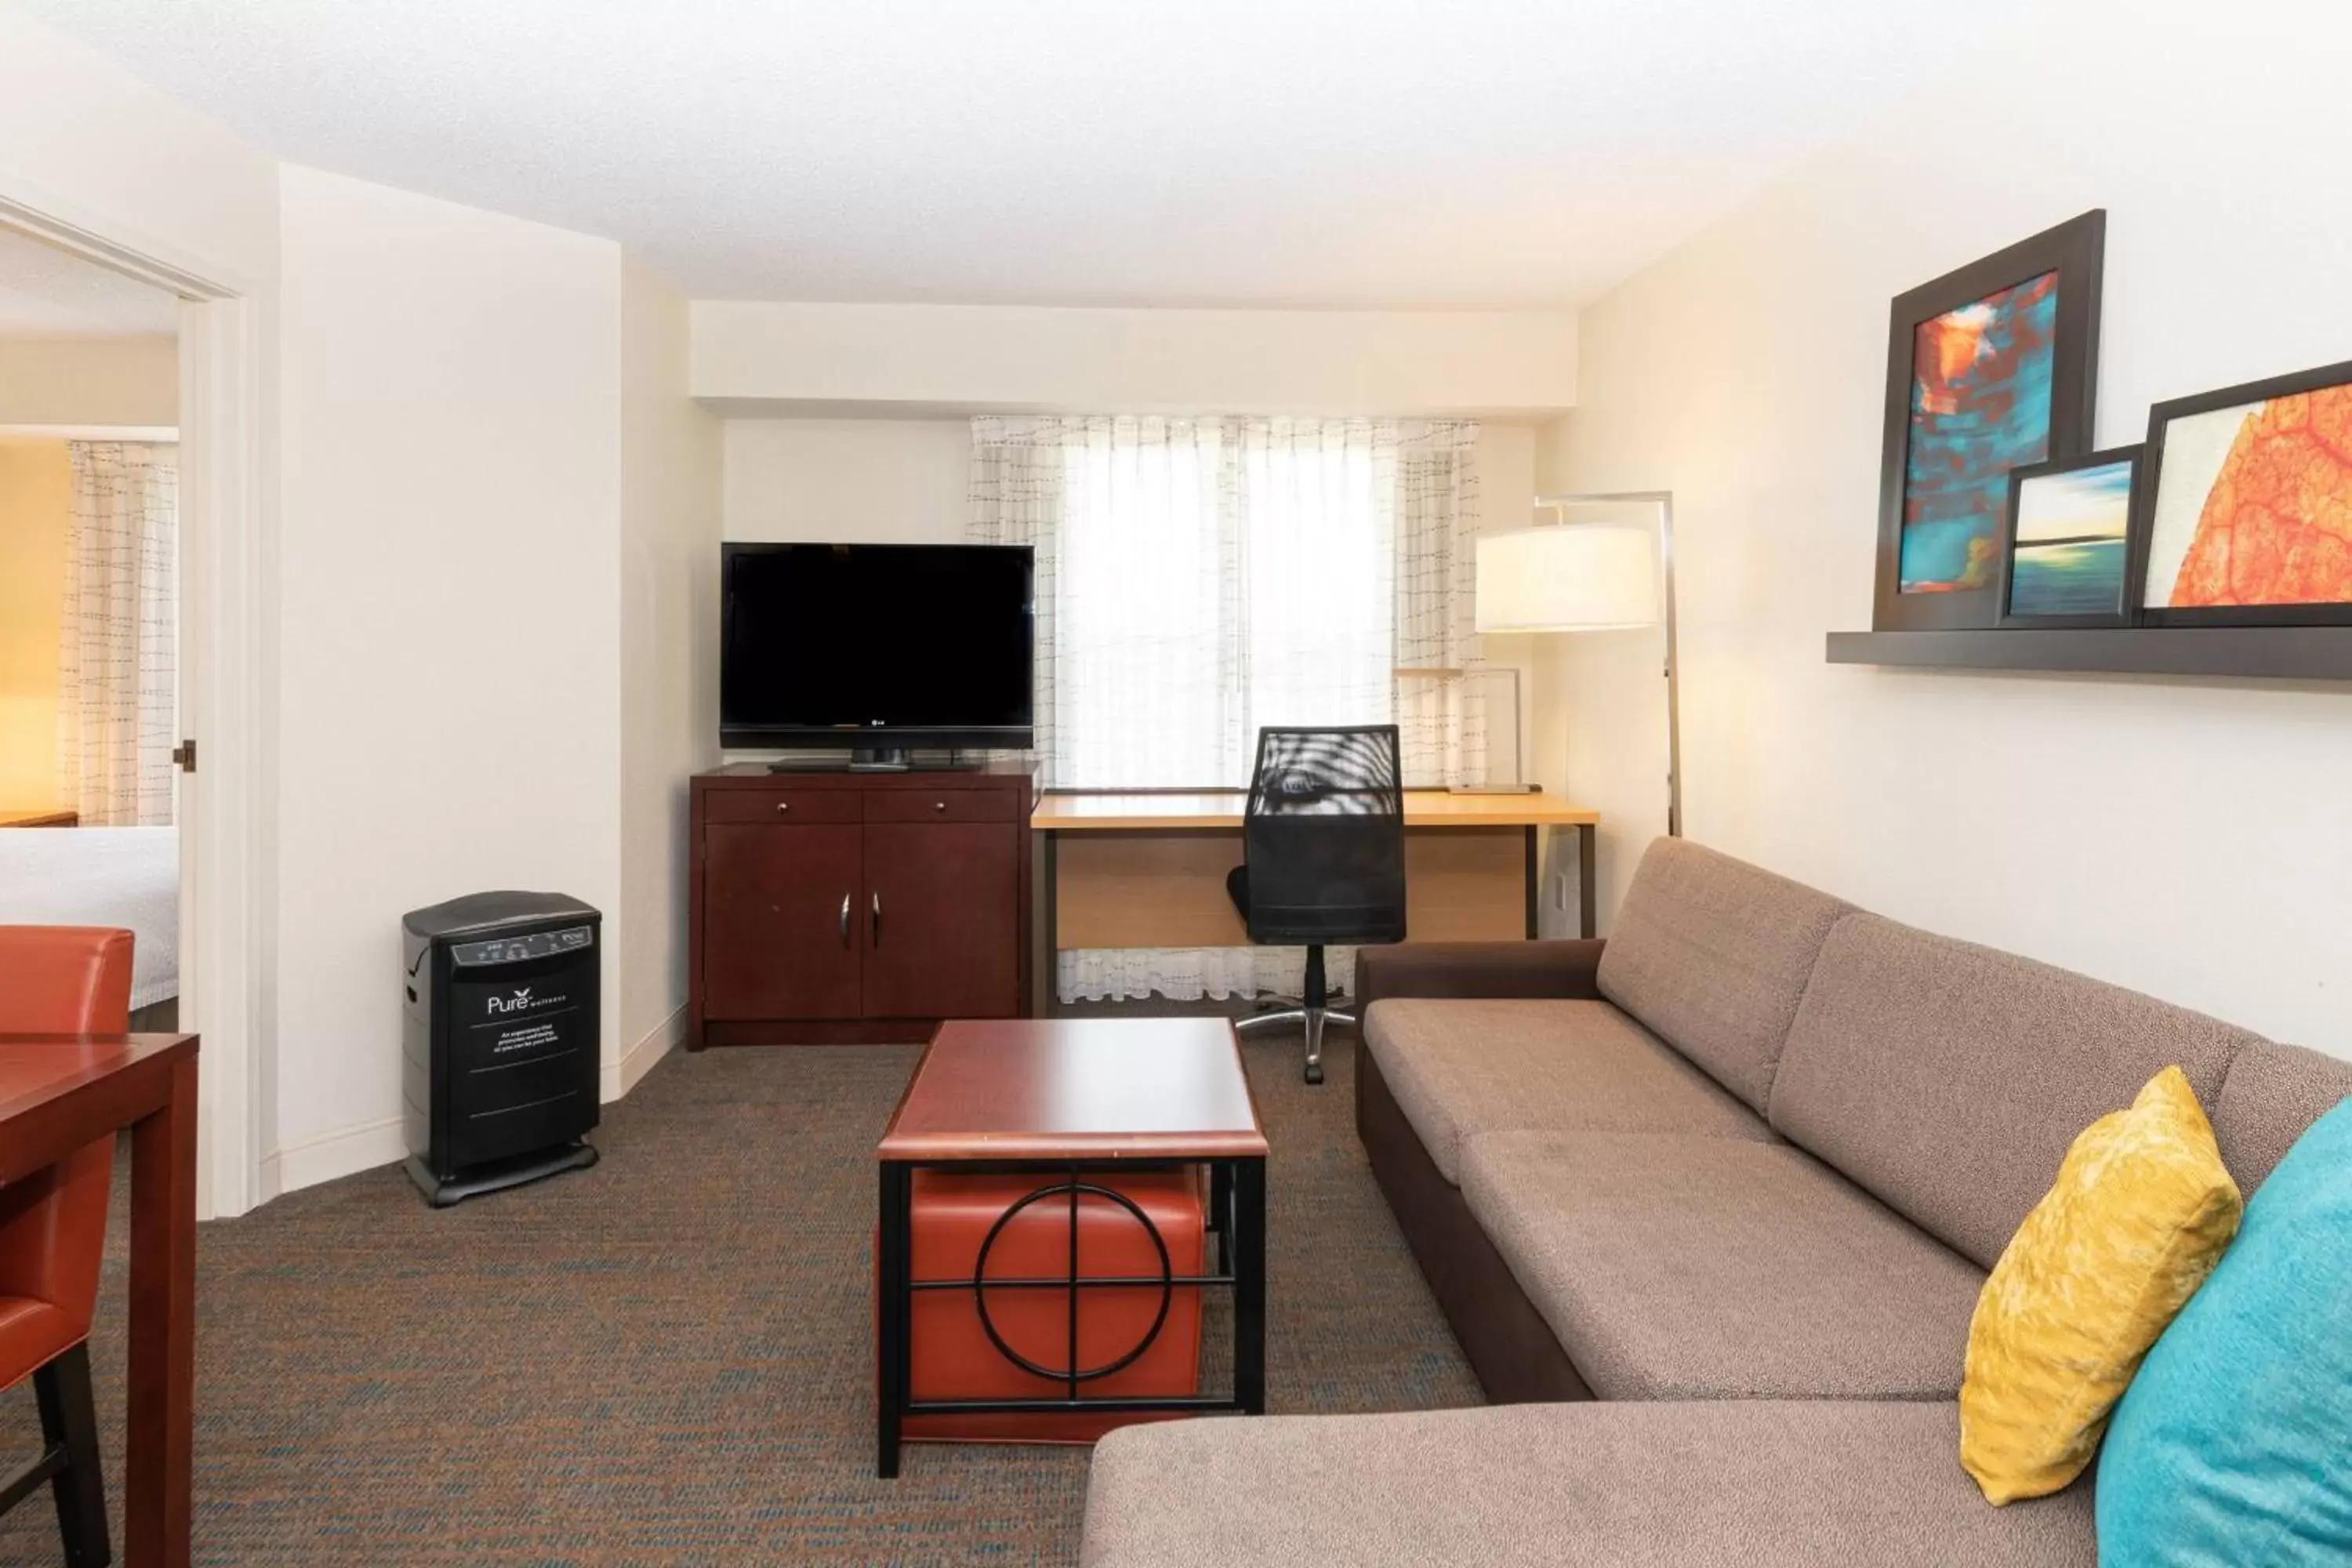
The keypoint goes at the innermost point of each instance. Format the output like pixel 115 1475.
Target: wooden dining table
pixel 58 1093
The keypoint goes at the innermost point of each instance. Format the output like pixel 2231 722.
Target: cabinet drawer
pixel 943 805
pixel 779 806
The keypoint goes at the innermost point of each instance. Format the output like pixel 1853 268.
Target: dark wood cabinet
pixel 845 907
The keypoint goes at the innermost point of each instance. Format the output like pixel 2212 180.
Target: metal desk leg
pixel 1249 1241
pixel 1534 881
pixel 1585 891
pixel 893 1343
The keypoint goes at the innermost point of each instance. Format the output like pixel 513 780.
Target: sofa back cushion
pixel 1949 1079
pixel 2272 1095
pixel 1711 955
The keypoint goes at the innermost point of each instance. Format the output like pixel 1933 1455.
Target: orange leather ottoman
pixel 952 1354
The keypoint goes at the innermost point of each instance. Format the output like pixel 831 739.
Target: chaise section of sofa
pixel 1633 1485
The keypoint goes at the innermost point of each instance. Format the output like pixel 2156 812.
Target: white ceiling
pixel 48 293
pixel 1372 153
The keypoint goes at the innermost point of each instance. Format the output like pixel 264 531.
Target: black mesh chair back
pixel 1324 836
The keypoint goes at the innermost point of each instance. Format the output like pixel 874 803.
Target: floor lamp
pixel 1589 578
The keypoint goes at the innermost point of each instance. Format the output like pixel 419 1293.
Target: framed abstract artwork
pixel 2247 515
pixel 1989 368
pixel 2065 542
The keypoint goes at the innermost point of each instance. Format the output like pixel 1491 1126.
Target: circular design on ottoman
pixel 980 1283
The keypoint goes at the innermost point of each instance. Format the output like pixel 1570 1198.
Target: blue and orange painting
pixel 2071 533
pixel 1980 386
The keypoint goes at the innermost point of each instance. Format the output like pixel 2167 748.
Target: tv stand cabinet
pixel 840 908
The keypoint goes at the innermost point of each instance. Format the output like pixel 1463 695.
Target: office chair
pixel 1322 857
pixel 66 980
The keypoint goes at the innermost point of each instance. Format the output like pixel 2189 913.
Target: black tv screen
pixel 875 644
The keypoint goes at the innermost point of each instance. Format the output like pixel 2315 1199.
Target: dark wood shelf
pixel 2275 653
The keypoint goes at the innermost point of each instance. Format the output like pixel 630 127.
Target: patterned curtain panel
pixel 1198 578
pixel 1441 709
pixel 118 710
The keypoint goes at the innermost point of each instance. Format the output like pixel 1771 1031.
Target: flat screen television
pixel 875 648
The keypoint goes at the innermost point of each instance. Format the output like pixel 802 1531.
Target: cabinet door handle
pixel 845 919
pixel 878 919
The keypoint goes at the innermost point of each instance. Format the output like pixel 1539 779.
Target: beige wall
pixel 35 521
pixel 2185 839
pixel 847 479
pixel 669 661
pixel 914 359
pixel 90 381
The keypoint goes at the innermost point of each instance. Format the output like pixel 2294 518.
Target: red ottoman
pixel 953 1357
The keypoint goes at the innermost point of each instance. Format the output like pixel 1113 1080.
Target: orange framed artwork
pixel 2247 517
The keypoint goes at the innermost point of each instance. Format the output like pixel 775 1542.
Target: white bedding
pixel 100 876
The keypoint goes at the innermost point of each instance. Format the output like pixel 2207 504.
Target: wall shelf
pixel 2277 653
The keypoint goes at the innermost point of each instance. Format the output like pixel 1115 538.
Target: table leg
pixel 160 1437
pixel 893 1310
pixel 1044 958
pixel 1249 1241
pixel 1534 888
pixel 1586 893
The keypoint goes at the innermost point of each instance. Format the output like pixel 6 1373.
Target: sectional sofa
pixel 1708 1206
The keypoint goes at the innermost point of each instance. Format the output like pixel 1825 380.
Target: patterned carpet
pixel 666 1359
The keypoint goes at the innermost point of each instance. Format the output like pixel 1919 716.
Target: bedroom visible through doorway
pixel 90 608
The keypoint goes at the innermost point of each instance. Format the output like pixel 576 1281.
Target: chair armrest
pixel 1548 969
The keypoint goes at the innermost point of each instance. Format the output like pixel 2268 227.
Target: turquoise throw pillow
pixel 2234 1445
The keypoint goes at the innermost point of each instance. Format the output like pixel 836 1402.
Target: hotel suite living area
pixel 1366 784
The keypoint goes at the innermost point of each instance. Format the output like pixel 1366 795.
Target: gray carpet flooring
pixel 666 1359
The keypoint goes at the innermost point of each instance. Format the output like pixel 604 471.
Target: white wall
pixel 855 480
pixel 2184 838
pixel 450 595
pixel 90 381
pixel 930 359
pixel 669 662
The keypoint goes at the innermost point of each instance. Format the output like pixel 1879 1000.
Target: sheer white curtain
pixel 117 665
pixel 1198 578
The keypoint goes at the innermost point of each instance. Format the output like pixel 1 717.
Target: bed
pixel 101 876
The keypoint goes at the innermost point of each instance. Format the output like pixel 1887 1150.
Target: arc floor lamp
pixel 1567 576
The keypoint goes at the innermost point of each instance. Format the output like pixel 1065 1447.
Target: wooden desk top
pixel 1093 811
pixel 1077 1088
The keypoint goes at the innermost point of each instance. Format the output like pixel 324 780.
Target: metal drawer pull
pixel 783 805
pixel 845 919
pixel 938 805
pixel 878 919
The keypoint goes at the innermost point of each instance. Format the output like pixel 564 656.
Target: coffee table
pixel 1062 1099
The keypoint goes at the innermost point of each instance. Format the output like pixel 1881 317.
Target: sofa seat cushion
pixel 1461 1068
pixel 1706 1485
pixel 1677 1267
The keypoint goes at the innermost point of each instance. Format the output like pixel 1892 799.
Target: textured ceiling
pixel 47 293
pixel 1376 153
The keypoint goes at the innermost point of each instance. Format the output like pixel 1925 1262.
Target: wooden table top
pixel 1100 811
pixel 35 1069
pixel 1077 1088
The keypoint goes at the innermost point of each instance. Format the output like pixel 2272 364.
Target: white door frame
pixel 227 840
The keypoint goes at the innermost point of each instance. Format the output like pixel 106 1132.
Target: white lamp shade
pixel 1574 577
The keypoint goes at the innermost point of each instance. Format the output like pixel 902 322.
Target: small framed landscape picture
pixel 2065 542
pixel 2248 506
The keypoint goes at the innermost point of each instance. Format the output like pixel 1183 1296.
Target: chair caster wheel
pixel 1315 1072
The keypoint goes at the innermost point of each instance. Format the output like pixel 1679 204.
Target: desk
pixel 1147 868
pixel 57 1093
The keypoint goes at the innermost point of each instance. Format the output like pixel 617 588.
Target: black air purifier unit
pixel 501 1036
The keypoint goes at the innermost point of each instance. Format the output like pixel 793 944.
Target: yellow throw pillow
pixel 2141 1212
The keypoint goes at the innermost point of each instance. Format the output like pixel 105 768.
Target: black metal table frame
pixel 1237 1216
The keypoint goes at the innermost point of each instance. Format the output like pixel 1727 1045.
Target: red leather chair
pixel 59 980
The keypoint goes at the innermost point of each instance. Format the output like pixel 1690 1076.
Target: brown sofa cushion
pixel 1459 1068
pixel 1711 1269
pixel 2272 1094
pixel 1707 1485
pixel 1711 955
pixel 1949 1079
